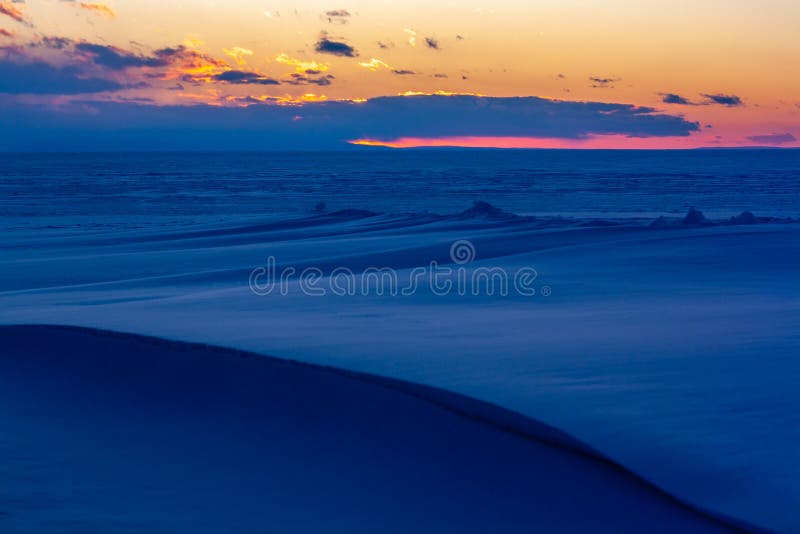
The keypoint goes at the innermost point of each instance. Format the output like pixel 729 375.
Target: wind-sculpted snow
pixel 668 348
pixel 161 436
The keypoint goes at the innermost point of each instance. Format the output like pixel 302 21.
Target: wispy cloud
pixel 301 66
pixel 432 42
pixel 598 82
pixel 10 10
pixel 773 139
pixel 724 100
pixel 337 16
pixel 374 64
pixel 238 54
pixel 412 36
pixel 100 9
pixel 53 42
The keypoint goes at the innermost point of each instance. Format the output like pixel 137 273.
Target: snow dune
pixel 108 432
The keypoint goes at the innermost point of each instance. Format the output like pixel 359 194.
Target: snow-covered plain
pixel 674 349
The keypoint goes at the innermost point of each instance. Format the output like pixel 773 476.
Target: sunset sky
pixel 611 73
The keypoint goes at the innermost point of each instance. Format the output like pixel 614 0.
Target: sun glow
pixel 438 93
pixel 302 67
pixel 589 142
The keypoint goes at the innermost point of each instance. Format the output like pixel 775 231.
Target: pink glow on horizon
pixel 591 142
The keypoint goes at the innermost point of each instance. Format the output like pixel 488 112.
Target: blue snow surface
pixel 658 327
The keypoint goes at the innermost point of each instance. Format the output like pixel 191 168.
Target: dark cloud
pixel 325 124
pixel 773 139
pixel 431 42
pixel 520 116
pixel 603 83
pixel 245 78
pixel 459 37
pixel 6 33
pixel 87 60
pixel 717 99
pixel 299 79
pixel 385 46
pixel 724 100
pixel 440 75
pixel 337 48
pixel 672 98
pixel 114 58
pixel 403 72
pixel 41 78
pixel 170 62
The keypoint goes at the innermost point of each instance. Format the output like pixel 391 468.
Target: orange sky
pixel 619 51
